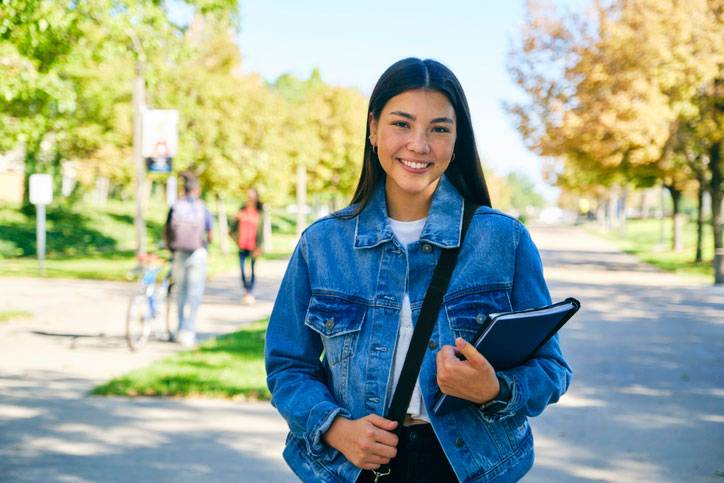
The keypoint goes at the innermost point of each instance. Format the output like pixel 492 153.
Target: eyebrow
pixel 412 118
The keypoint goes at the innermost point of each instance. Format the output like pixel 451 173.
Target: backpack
pixel 187 225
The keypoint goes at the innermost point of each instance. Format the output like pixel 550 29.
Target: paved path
pixel 647 403
pixel 647 349
pixel 51 431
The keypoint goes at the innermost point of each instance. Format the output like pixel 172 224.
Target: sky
pixel 352 43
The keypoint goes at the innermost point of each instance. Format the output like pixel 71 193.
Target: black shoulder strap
pixel 425 323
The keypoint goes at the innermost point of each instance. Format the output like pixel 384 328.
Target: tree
pixel 608 91
pixel 36 39
pixel 524 194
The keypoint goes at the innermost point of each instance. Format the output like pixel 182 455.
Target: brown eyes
pixel 436 129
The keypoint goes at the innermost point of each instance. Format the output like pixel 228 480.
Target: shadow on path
pixel 49 435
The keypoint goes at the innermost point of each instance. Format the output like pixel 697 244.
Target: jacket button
pixel 480 318
pixel 426 247
pixel 432 345
pixel 459 443
pixel 329 323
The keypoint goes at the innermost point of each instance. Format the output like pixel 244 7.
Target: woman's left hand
pixel 473 379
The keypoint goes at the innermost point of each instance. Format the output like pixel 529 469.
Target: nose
pixel 418 142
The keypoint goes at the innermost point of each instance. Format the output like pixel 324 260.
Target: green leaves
pixel 67 70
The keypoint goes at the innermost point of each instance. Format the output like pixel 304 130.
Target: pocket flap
pixel 468 313
pixel 332 316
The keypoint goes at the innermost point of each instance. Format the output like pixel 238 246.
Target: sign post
pixel 41 194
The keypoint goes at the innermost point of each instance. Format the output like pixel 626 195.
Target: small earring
pixel 374 148
pixel 453 157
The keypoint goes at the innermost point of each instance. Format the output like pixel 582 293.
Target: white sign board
pixel 41 189
pixel 160 133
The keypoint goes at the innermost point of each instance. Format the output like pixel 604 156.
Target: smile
pixel 414 165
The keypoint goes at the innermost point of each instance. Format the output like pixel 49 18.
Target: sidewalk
pixel 647 351
pixel 646 402
pixel 50 430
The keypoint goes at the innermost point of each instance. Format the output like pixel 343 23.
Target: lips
pixel 414 166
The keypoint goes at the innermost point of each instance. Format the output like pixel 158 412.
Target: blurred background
pixel 600 126
pixel 584 111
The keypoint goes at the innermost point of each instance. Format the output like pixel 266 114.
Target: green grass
pixel 98 242
pixel 7 315
pixel 642 238
pixel 230 366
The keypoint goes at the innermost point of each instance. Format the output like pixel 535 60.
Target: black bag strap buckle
pixel 379 474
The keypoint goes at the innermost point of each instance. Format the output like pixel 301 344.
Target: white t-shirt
pixel 407 232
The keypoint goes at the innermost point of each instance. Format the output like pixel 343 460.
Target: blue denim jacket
pixel 331 338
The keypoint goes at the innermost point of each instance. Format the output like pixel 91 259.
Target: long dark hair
pixel 258 205
pixel 465 172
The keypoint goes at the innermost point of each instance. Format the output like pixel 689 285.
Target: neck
pixel 402 206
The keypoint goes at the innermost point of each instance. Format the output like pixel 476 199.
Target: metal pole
pixel 40 236
pixel 139 94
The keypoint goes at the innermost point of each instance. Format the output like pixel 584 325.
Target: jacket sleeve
pixel 546 376
pixel 295 374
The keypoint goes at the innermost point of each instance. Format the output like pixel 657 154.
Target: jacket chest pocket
pixel 338 322
pixel 467 313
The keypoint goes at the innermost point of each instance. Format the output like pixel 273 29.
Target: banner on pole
pixel 159 141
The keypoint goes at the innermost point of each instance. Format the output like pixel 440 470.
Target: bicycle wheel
pixel 138 319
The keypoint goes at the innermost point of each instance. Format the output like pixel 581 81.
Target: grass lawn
pixel 230 366
pixel 643 239
pixel 97 242
pixel 7 315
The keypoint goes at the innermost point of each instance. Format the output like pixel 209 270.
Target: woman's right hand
pixel 367 443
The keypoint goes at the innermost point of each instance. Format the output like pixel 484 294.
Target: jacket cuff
pixel 320 419
pixel 506 404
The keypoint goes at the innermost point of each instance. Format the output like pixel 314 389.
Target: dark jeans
pixel 247 282
pixel 419 459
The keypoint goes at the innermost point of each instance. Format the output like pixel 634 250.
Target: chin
pixel 416 186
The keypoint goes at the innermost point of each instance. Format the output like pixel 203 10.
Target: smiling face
pixel 415 138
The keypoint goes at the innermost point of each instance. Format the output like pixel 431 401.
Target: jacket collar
pixel 442 228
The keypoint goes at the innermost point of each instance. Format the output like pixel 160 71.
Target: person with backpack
pixel 248 233
pixel 188 233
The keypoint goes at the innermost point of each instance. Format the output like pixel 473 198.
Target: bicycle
pixel 153 291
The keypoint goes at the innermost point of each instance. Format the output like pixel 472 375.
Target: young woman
pixel 344 316
pixel 248 233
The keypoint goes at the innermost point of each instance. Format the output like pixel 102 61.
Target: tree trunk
pixel 223 225
pixel 699 217
pixel 677 218
pixel 30 168
pixel 611 212
pixel 267 247
pixel 601 214
pixel 622 210
pixel 715 190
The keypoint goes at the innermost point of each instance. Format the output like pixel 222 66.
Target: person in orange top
pixel 248 233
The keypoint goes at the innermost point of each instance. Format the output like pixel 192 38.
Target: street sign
pixel 41 194
pixel 41 189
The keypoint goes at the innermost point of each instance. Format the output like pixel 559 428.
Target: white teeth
pixel 414 165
